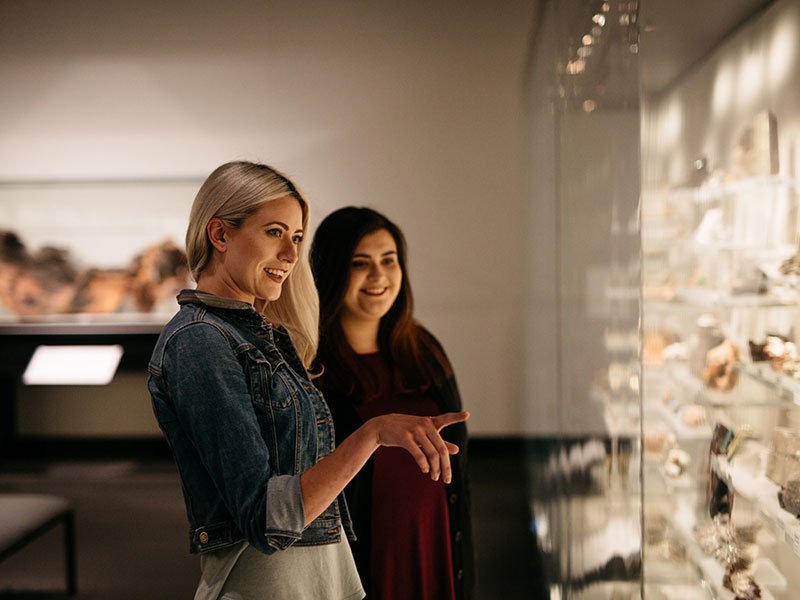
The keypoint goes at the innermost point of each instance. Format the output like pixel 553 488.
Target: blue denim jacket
pixel 243 421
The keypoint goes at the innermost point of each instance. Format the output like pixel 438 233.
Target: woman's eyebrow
pixel 387 253
pixel 282 224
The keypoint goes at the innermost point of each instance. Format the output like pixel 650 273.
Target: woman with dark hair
pixel 414 535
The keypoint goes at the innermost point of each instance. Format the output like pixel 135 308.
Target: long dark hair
pixel 416 360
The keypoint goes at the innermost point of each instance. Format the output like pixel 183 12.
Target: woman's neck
pixel 219 287
pixel 361 335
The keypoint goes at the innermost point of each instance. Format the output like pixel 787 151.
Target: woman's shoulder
pixel 205 330
pixel 430 341
pixel 425 335
pixel 197 340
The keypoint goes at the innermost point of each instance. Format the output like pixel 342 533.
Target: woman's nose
pixel 289 251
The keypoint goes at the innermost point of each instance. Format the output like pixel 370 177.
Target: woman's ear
pixel 216 233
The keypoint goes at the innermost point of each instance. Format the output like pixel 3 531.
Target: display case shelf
pixel 784 386
pixel 763 492
pixel 110 324
pixel 755 187
pixel 695 391
pixel 681 430
pixel 716 264
pixel 712 573
pixel 716 299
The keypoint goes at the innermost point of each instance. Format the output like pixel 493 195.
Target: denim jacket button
pixel 453 498
pixel 459 535
pixel 203 537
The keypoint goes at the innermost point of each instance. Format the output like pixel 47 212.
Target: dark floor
pixel 131 526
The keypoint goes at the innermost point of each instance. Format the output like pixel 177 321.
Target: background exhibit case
pixel 721 388
pixel 102 253
pixel 86 263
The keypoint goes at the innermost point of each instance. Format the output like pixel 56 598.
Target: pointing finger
pixel 442 421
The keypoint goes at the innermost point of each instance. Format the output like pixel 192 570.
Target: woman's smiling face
pixel 375 278
pixel 260 254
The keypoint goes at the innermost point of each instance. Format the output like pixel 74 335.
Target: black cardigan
pixel 359 491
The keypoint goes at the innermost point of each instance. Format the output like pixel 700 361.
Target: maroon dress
pixel 410 531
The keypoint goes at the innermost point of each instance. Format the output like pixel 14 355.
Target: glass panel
pixel 585 132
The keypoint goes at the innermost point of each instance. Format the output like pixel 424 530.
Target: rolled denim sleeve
pixel 213 403
pixel 284 511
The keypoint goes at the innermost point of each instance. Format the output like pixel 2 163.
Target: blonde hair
pixel 232 193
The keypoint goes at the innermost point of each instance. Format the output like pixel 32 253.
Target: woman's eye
pixel 358 264
pixel 275 232
pixel 388 261
pixel 297 239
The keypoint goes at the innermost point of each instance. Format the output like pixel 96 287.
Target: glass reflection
pixel 585 480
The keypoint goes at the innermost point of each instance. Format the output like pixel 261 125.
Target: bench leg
pixel 69 553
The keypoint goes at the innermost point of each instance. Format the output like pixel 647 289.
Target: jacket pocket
pixel 270 383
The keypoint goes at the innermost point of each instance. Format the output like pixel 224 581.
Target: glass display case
pixel 585 289
pixel 92 255
pixel 94 264
pixel 721 389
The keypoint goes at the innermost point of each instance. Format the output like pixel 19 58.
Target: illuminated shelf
pixel 86 324
pixel 681 430
pixel 785 385
pixel 764 493
pixel 712 573
pixel 706 193
pixel 696 391
pixel 709 298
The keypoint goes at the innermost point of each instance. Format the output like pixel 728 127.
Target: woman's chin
pixel 269 295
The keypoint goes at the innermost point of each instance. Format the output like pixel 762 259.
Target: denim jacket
pixel 243 422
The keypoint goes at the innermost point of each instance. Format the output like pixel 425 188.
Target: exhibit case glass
pixel 103 254
pixel 89 271
pixel 721 309
pixel 675 469
pixel 584 325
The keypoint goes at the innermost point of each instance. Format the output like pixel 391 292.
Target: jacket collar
pixel 245 312
pixel 240 310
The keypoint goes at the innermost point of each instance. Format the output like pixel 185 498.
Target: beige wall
pixel 414 108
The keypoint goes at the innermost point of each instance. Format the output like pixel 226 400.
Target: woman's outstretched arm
pixel 420 436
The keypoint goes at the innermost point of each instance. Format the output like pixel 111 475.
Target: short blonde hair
pixel 232 193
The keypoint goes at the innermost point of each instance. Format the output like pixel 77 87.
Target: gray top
pixel 240 572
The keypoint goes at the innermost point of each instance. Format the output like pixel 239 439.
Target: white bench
pixel 25 517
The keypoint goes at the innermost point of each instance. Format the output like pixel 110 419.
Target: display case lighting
pixel 72 365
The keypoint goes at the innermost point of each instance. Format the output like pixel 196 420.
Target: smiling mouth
pixel 374 291
pixel 276 274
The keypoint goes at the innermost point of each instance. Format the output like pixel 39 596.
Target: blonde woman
pixel 247 428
